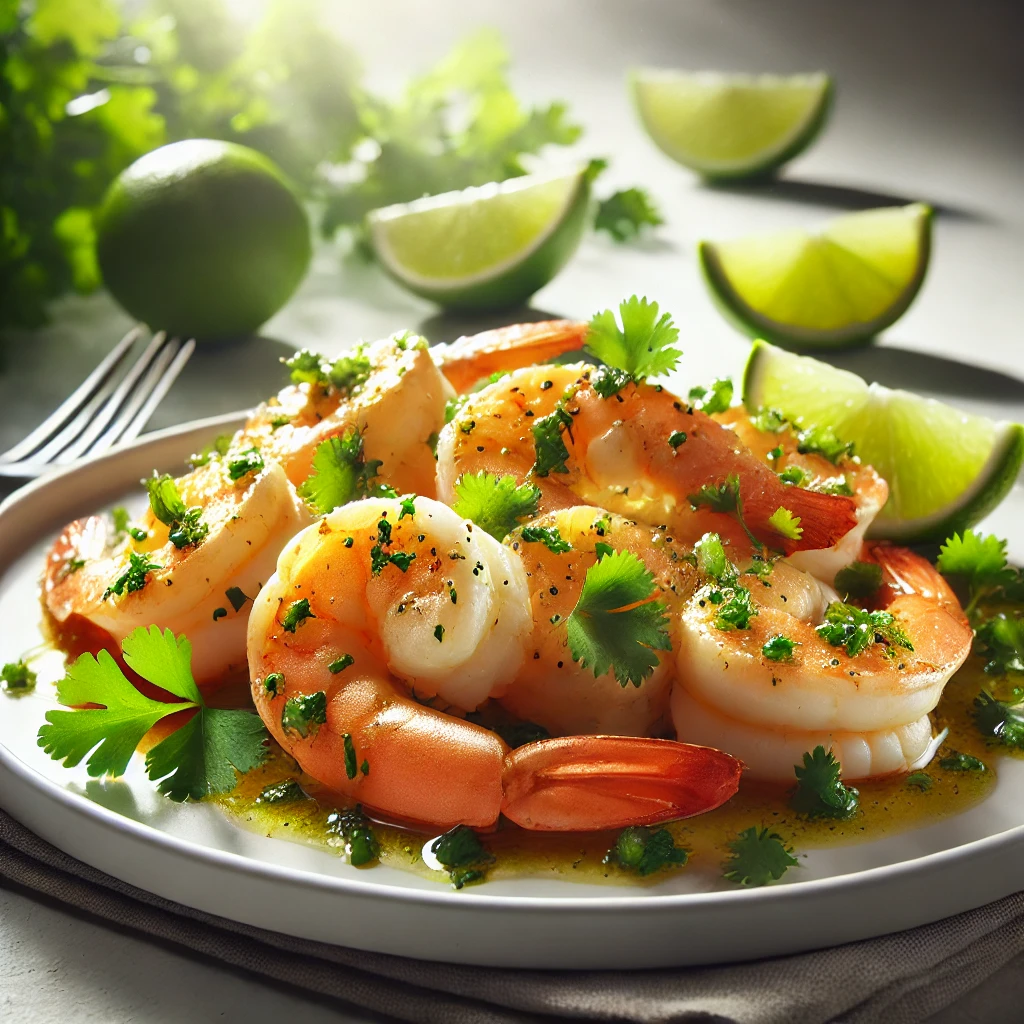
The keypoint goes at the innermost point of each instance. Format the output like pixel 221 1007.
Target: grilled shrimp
pixel 642 453
pixel 870 708
pixel 185 589
pixel 389 606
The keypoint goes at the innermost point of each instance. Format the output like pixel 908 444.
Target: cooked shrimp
pixel 553 690
pixel 387 606
pixel 248 521
pixel 871 709
pixel 641 452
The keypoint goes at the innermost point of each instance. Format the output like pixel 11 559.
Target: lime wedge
pixel 484 247
pixel 731 126
pixel 834 288
pixel 946 469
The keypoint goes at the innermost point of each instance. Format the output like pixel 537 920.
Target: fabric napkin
pixel 900 979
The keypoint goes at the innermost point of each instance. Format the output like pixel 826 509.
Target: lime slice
pixel 485 247
pixel 946 469
pixel 834 288
pixel 731 126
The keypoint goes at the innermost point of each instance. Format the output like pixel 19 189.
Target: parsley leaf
pixel 642 347
pixel 625 213
pixel 644 850
pixel 548 536
pixel 496 504
pixel 758 857
pixel 615 624
pixel 1002 721
pixel 551 452
pixel 819 791
pixel 341 474
pixel 18 678
pixel 196 760
pixel 858 579
pixel 856 629
pixel 786 523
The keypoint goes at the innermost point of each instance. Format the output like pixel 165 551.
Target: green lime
pixel 203 239
pixel 833 288
pixel 486 247
pixel 946 469
pixel 727 126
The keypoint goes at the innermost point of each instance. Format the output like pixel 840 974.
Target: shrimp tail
pixel 824 518
pixel 590 783
pixel 472 358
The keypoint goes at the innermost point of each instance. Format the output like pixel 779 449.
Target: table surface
pixel 926 110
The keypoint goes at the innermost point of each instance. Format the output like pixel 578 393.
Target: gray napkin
pixel 900 979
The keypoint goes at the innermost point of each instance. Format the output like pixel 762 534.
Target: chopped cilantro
pixel 758 857
pixel 643 347
pixel 288 791
pixel 237 597
pixel 341 474
pixel 134 577
pixel 734 608
pixel 496 504
pixel 786 523
pixel 548 536
pixel 439 633
pixel 18 678
pixel 274 684
pixel 340 664
pixel 769 421
pixel 792 475
pixel 186 525
pixel 137 533
pixel 297 613
pixel 625 213
pixel 219 613
pixel 1000 721
pixel 981 561
pixel 779 648
pixel 834 485
pixel 823 441
pixel 305 713
pixel 379 558
pixel 955 761
pixel 248 461
pixel 724 497
pixel 819 791
pixel 354 829
pixel 408 508
pixel 676 438
pixel 716 399
pixel 351 762
pixel 615 624
pixel 711 557
pixel 551 452
pixel 1001 642
pixel 856 629
pixel 462 853
pixel 196 760
pixel 645 850
pixel 920 780
pixel 307 367
pixel 858 579
pixel 216 449
pixel 350 372
pixel 276 422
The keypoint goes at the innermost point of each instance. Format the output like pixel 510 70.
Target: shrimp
pixel 389 607
pixel 871 709
pixel 642 453
pixel 185 589
pixel 552 689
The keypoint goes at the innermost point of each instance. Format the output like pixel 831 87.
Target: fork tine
pixel 73 404
pixel 163 385
pixel 115 402
pixel 135 413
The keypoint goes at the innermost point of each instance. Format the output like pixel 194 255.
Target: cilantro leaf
pixel 186 525
pixel 724 497
pixel 758 857
pixel 823 441
pixel 644 850
pixel 642 347
pixel 999 720
pixel 134 577
pixel 779 648
pixel 957 761
pixel 287 791
pixel 496 504
pixel 711 557
pixel 548 536
pixel 351 371
pixel 786 523
pixel 341 473
pixel 248 461
pixel 297 613
pixel 734 607
pixel 820 792
pixel 18 678
pixel 858 579
pixel 162 658
pixel 625 213
pixel 978 558
pixel 717 399
pixel 920 780
pixel 216 449
pixel 1001 642
pixel 307 367
pixel 615 624
pixel 305 713
pixel 856 629
pixel 551 452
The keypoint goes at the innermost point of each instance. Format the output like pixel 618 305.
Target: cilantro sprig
pixel 819 791
pixel 342 473
pixel 626 213
pixel 855 629
pixel 496 504
pixel 616 624
pixel 758 857
pixel 200 758
pixel 642 347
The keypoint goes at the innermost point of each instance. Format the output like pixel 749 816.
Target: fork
pixel 103 410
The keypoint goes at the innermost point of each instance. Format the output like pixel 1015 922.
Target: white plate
pixel 196 856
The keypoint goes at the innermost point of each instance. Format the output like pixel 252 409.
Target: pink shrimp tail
pixel 824 518
pixel 590 783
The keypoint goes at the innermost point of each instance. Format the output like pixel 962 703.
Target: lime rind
pixel 509 280
pixel 764 161
pixel 947 470
pixel 856 332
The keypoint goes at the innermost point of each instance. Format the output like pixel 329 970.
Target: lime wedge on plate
pixel 833 288
pixel 485 247
pixel 728 125
pixel 946 469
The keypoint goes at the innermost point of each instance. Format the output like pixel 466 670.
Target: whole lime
pixel 202 238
